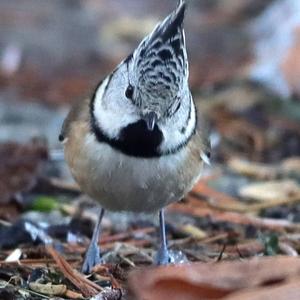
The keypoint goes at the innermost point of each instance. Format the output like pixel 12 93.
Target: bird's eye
pixel 129 91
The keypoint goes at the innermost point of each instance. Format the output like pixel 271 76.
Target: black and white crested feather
pixel 160 62
pixel 152 81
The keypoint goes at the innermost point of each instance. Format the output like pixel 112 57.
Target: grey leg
pixel 92 256
pixel 162 257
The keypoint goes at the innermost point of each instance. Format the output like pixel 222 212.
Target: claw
pixel 162 257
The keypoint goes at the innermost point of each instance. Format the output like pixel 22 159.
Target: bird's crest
pixel 160 60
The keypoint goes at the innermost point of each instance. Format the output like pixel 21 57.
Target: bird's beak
pixel 150 119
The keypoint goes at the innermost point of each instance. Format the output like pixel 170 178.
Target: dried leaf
pixel 272 190
pixel 73 295
pixel 290 291
pixel 251 169
pixel 19 166
pixel 48 289
pixel 291 165
pixel 193 231
pixel 214 281
pixel 265 171
pixel 287 249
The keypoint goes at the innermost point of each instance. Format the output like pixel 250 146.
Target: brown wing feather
pixel 79 111
pixel 202 134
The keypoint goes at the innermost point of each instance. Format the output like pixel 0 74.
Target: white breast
pixel 121 182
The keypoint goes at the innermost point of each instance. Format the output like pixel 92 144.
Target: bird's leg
pixel 92 256
pixel 162 257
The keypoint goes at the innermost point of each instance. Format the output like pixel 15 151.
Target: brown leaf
pixel 9 211
pixel 221 280
pixel 290 291
pixel 276 192
pixel 19 166
pixel 73 295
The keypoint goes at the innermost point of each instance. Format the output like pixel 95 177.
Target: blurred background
pixel 244 61
pixel 244 74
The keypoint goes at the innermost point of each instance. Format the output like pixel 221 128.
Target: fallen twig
pixel 233 217
pixel 87 287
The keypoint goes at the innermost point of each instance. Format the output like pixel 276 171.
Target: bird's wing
pixel 203 137
pixel 79 111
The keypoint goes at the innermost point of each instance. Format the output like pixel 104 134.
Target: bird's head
pixel 158 71
pixel 151 83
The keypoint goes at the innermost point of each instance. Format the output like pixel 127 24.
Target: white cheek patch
pixel 110 117
pixel 173 137
pixel 98 98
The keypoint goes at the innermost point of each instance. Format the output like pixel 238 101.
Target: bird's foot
pixel 162 257
pixel 166 257
pixel 92 258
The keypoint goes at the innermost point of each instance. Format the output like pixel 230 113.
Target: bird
pixel 138 143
